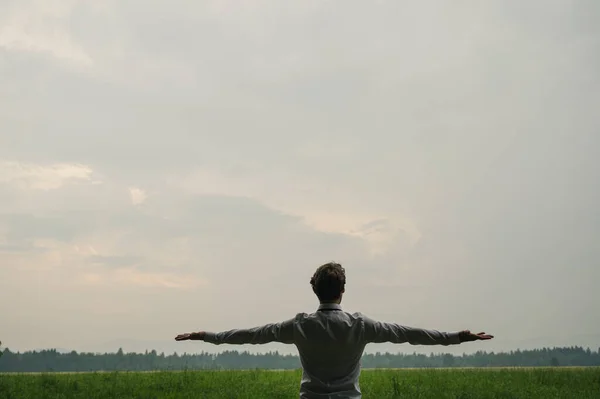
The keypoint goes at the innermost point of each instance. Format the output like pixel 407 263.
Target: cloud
pixel 147 280
pixel 16 248
pixel 383 235
pixel 174 235
pixel 115 261
pixel 137 195
pixel 43 27
pixel 302 197
pixel 43 177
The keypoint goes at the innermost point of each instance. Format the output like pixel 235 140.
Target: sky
pixel 175 166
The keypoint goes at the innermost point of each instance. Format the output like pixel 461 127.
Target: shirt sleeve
pixel 379 332
pixel 275 332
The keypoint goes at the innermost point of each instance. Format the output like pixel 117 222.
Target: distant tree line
pixel 51 360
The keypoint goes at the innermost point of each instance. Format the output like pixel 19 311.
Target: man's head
pixel 328 282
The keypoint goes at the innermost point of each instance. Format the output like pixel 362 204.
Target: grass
pixel 543 383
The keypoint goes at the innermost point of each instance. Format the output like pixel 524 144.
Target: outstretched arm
pixel 275 332
pixel 378 332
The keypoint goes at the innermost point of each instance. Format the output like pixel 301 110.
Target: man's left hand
pixel 468 336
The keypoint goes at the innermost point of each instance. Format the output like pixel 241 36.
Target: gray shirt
pixel 331 343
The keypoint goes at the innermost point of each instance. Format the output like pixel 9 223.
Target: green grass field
pixel 543 383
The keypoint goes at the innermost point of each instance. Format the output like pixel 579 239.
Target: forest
pixel 54 361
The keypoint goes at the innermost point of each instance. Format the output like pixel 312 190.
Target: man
pixel 330 341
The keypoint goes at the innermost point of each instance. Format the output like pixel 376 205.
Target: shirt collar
pixel 330 306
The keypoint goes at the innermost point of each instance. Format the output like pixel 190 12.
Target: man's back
pixel 330 342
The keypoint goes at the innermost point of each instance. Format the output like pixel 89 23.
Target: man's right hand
pixel 468 336
pixel 195 336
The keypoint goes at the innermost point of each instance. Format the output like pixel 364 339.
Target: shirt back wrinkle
pixel 330 349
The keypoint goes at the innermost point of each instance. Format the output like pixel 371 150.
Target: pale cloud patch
pixel 136 278
pixel 43 27
pixel 41 255
pixel 160 280
pixel 137 195
pixel 71 264
pixel 383 234
pixel 330 148
pixel 243 9
pixel 323 208
pixel 43 177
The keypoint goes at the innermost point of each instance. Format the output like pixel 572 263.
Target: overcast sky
pixel 169 166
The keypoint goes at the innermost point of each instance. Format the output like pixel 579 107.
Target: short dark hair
pixel 329 281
